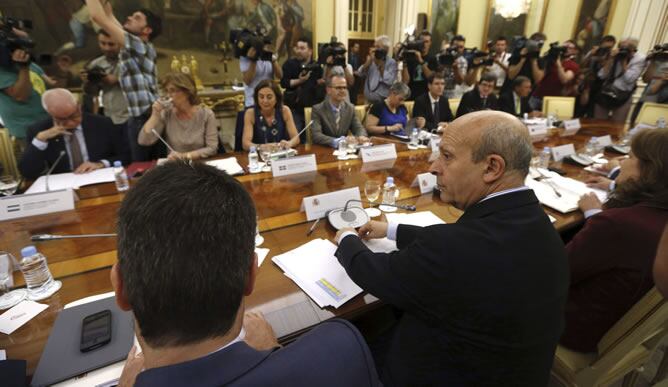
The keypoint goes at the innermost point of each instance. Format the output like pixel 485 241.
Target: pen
pixel 310 231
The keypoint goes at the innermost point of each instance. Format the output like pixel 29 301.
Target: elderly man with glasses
pixel 91 142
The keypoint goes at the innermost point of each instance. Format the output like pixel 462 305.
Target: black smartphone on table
pixel 95 331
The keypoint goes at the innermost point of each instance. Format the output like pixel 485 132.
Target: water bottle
pixel 544 158
pixel 390 191
pixel 122 183
pixel 415 135
pixel 661 123
pixel 36 272
pixel 253 164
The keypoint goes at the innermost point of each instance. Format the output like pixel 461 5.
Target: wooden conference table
pixel 83 265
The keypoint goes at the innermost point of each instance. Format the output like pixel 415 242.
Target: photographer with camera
pixel 302 79
pixel 380 71
pixel 524 59
pixel 138 71
pixel 591 64
pixel 558 71
pixel 619 74
pixel 22 82
pixel 419 64
pixel 103 73
pixel 500 59
pixel 333 57
pixel 257 65
pixel 656 77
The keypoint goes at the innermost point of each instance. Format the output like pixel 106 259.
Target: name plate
pixel 317 206
pixel 571 127
pixel 538 131
pixel 293 165
pixel 559 152
pixel 20 206
pixel 434 143
pixel 604 140
pixel 378 153
pixel 426 182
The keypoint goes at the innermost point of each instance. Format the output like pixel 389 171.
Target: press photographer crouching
pixel 21 80
pixel 102 74
pixel 419 64
pixel 557 70
pixel 302 80
pixel 619 74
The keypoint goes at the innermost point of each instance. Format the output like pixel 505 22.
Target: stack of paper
pixel 70 180
pixel 570 190
pixel 423 219
pixel 315 269
pixel 229 165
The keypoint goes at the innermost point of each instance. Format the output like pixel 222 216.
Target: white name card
pixel 571 127
pixel 426 182
pixel 559 152
pixel 20 206
pixel 538 131
pixel 317 206
pixel 378 153
pixel 434 143
pixel 604 140
pixel 293 165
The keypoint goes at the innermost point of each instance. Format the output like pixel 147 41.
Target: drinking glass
pixel 8 185
pixel 372 190
pixel 352 144
pixel 8 298
pixel 265 155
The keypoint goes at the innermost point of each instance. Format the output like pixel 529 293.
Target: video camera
pixel 243 39
pixel 623 53
pixel 533 48
pixel 473 53
pixel 411 43
pixel 380 54
pixel 658 53
pixel 96 74
pixel 602 51
pixel 555 51
pixel 10 41
pixel 335 50
pixel 447 57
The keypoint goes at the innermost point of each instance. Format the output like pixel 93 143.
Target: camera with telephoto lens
pixel 658 53
pixel 623 53
pixel 533 48
pixel 410 44
pixel 243 39
pixel 10 41
pixel 335 50
pixel 555 51
pixel 380 54
pixel 310 67
pixel 96 74
pixel 471 54
pixel 447 57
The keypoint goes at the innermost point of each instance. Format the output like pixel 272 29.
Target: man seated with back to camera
pixel 419 65
pixel 187 294
pixel 432 109
pixel 90 141
pixel 516 102
pixel 482 298
pixel 482 97
pixel 302 80
pixel 559 70
pixel 334 117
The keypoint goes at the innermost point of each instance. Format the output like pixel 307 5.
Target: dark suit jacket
pixel 507 104
pixel 471 102
pixel 482 298
pixel 332 354
pixel 324 123
pixel 611 269
pixel 104 141
pixel 423 108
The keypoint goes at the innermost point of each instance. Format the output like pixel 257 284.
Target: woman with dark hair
pixel 611 257
pixel 269 121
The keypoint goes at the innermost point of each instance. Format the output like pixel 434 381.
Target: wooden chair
pixel 454 104
pixel 361 112
pixel 7 156
pixel 562 107
pixel 625 347
pixel 409 107
pixel 307 119
pixel 650 112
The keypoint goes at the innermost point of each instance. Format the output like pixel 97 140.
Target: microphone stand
pixel 48 173
pixel 403 207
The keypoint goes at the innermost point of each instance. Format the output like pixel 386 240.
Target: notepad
pixel 315 269
pixel 71 180
pixel 422 219
pixel 570 189
pixel 229 165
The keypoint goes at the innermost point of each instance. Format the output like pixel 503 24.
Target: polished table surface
pixel 83 264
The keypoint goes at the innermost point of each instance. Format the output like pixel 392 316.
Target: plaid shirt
pixel 139 74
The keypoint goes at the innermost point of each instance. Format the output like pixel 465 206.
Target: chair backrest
pixel 454 104
pixel 409 107
pixel 562 107
pixel 650 112
pixel 7 157
pixel 361 112
pixel 307 119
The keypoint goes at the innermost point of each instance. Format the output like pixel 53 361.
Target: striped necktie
pixel 75 151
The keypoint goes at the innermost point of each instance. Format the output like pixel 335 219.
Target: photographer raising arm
pixel 256 67
pixel 418 66
pixel 301 80
pixel 380 71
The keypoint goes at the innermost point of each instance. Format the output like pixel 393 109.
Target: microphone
pixel 51 237
pixel 48 173
pixel 403 207
pixel 302 131
pixel 155 132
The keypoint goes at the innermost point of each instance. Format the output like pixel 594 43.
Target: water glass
pixel 8 185
pixel 372 190
pixel 9 298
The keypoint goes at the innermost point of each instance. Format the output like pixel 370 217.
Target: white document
pixel 293 165
pixel 20 314
pixel 20 206
pixel 318 205
pixel 378 153
pixel 426 182
pixel 315 269
pixel 559 152
pixel 229 165
pixel 422 219
pixel 261 255
pixel 71 180
pixel 571 190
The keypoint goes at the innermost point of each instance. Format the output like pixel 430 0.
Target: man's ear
pixel 117 285
pixel 494 169
pixel 252 275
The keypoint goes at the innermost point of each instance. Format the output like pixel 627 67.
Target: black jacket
pixel 471 102
pixel 483 298
pixel 507 104
pixel 423 108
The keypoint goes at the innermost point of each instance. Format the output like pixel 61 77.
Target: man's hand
pixel 21 57
pixel 589 201
pixel 599 182
pixel 373 230
pixel 133 366
pixel 362 139
pixel 259 334
pixel 341 231
pixel 88 166
pixel 52 132
pixel 251 54
pixel 304 76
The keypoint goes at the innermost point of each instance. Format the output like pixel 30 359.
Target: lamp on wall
pixel 510 9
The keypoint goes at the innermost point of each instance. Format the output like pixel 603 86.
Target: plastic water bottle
pixel 661 123
pixel 253 164
pixel 121 177
pixel 415 135
pixel 36 272
pixel 390 191
pixel 544 158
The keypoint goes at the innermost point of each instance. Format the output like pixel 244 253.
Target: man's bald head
pixel 63 107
